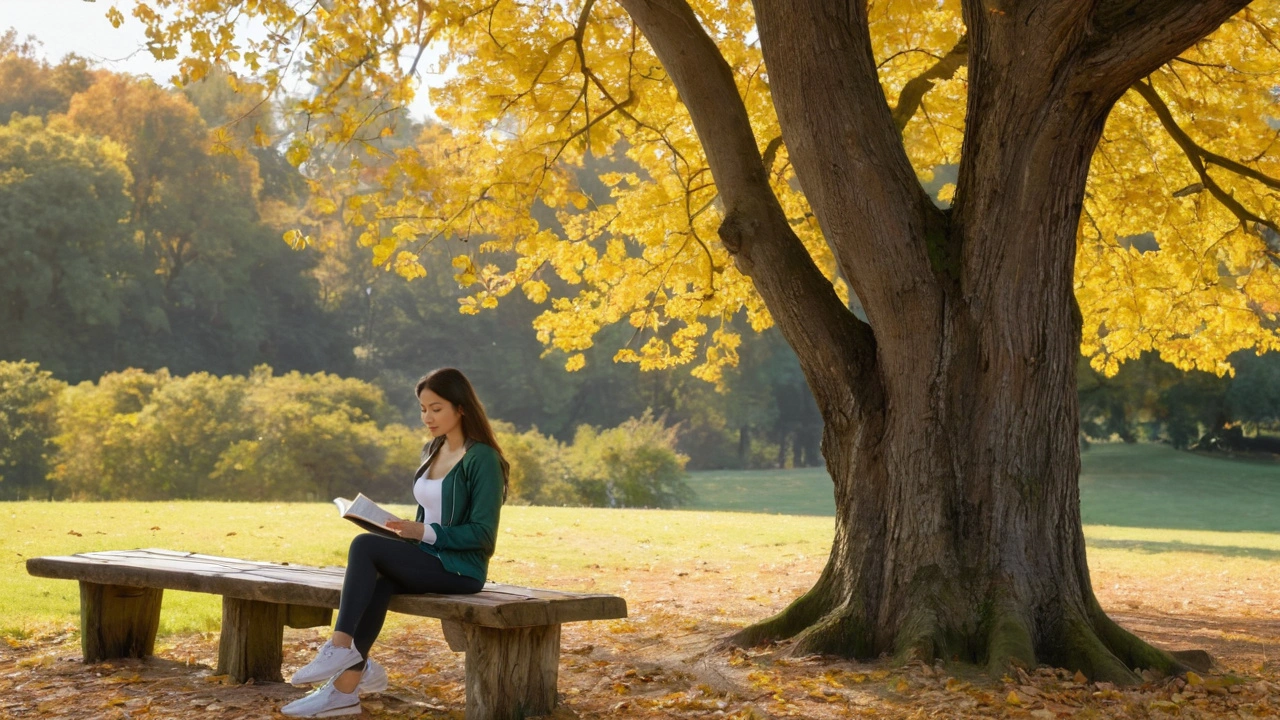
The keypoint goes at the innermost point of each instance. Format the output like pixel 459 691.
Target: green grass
pixel 570 548
pixel 1156 486
pixel 804 491
pixel 1151 486
pixel 1149 511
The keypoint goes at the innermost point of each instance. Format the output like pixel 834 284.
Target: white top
pixel 428 494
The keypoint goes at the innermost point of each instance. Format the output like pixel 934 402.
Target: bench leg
pixel 511 673
pixel 118 621
pixel 251 641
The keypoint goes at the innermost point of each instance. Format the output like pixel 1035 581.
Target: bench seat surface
pixel 497 605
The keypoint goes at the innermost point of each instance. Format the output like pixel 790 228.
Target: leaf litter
pixel 668 659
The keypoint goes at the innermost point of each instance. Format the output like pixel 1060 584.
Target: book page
pixel 367 514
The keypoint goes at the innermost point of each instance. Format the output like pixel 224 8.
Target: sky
pixel 64 26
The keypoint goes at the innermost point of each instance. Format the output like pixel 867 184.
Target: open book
pixel 368 515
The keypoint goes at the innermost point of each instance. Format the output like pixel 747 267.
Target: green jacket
pixel 471 501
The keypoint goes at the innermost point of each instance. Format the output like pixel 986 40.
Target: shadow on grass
pixel 1152 546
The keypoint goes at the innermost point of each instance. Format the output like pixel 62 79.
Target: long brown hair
pixel 450 384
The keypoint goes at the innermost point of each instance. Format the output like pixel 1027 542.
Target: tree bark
pixel 951 419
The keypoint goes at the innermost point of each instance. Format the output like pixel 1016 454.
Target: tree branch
pixel 1129 39
pixel 917 87
pixel 771 152
pixel 1190 146
pixel 835 348
pixel 1198 156
pixel 848 155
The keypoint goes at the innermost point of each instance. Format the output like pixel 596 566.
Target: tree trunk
pixel 950 416
pixel 958 532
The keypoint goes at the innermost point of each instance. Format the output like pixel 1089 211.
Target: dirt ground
pixel 666 660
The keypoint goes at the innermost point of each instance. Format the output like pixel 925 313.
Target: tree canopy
pixel 1178 245
pixel 130 238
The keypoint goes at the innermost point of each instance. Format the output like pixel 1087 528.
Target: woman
pixel 460 486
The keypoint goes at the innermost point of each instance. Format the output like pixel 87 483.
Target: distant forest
pixel 136 232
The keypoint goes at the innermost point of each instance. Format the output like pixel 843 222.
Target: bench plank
pixel 510 634
pixel 498 605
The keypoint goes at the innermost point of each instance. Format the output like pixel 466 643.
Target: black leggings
pixel 379 567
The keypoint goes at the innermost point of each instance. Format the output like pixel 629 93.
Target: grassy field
pixel 569 548
pixel 1151 486
pixel 1150 513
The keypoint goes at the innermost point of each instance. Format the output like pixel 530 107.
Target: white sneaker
pixel 374 678
pixel 327 701
pixel 330 661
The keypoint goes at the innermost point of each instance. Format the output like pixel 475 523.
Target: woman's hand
pixel 406 528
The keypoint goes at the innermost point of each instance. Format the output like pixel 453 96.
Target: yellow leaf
pixel 260 138
pixel 382 251
pixel 295 239
pixel 1013 698
pixel 535 290
pixel 404 231
pixel 408 266
pixel 297 153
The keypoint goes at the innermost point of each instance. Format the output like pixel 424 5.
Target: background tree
pixel 174 265
pixel 29 85
pixel 68 273
pixel 28 417
pixel 950 413
pixel 398 329
pixel 1254 395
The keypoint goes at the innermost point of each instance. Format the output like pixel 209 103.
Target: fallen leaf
pixel 1013 698
pixel 73 532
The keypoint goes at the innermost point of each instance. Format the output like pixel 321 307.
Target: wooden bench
pixel 511 635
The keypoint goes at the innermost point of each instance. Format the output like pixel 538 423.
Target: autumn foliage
pixel 1179 251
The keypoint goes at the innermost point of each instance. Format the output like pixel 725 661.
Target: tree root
pixel 918 638
pixel 1129 648
pixel 802 613
pixel 824 621
pixel 1084 649
pixel 843 631
pixel 1009 641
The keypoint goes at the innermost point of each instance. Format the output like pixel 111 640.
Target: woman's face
pixel 439 415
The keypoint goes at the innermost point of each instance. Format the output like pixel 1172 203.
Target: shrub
pixel 149 436
pixel 633 465
pixel 28 423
